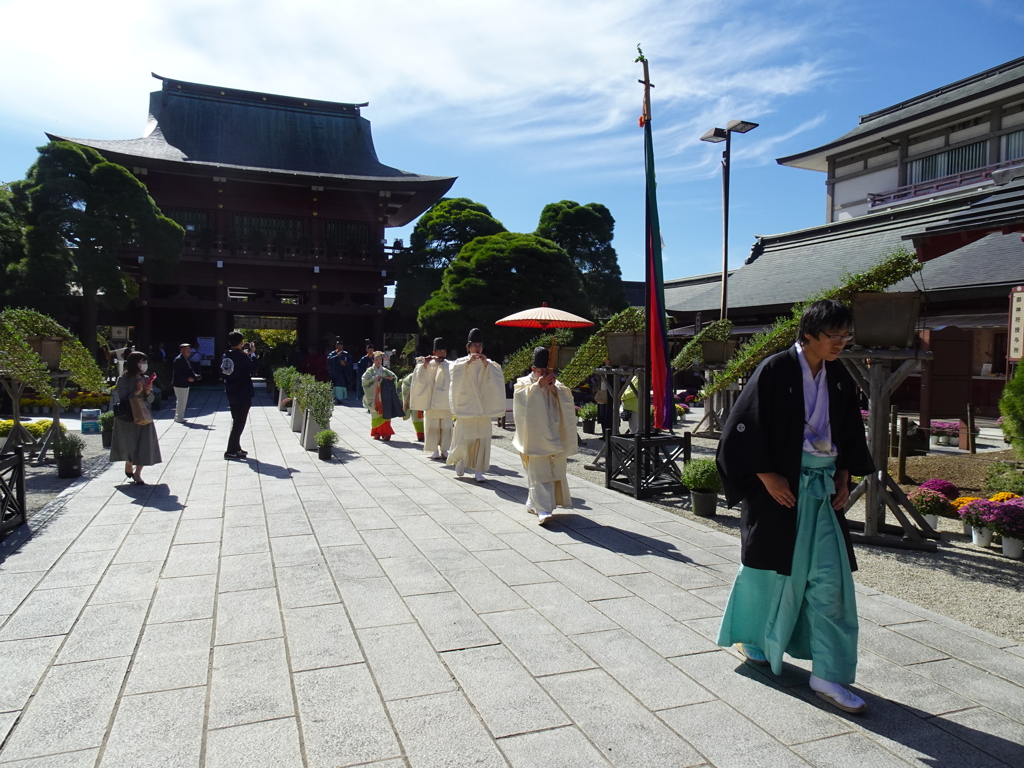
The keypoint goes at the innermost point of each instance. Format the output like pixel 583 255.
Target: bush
pixel 326 437
pixel 702 475
pixel 1003 476
pixel 1011 410
pixel 107 420
pixel 283 379
pixel 588 412
pixel 946 488
pixel 929 502
pixel 35 428
pixel 69 445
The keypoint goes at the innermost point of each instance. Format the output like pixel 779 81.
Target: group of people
pixel 452 405
pixel 789 447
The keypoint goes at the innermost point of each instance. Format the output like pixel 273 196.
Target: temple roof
pixel 204 125
pixel 947 101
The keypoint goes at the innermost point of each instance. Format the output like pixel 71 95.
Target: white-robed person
pixel 476 396
pixel 545 417
pixel 431 382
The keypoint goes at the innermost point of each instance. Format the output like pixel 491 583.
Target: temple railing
pixel 942 184
pixel 12 490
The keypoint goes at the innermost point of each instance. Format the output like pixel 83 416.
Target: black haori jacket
pixel 765 433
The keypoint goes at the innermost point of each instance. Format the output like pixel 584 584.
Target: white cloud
pixel 552 77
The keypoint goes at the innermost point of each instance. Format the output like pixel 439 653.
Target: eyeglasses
pixel 843 337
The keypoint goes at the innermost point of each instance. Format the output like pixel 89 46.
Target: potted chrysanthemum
pixel 978 514
pixel 1008 521
pixel 930 503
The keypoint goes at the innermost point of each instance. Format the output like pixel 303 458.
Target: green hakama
pixel 812 613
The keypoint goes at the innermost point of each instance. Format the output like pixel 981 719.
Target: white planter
pixel 280 400
pixel 298 416
pixel 981 537
pixel 309 432
pixel 943 439
pixel 1013 548
pixel 967 529
pixel 935 439
pixel 933 521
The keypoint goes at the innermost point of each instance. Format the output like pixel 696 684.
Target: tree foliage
pixel 81 210
pixel 12 246
pixel 1011 409
pixel 594 350
pixel 585 232
pixel 894 266
pixel 522 358
pixel 436 240
pixel 496 276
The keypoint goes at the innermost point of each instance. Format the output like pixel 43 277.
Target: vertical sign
pixel 1016 325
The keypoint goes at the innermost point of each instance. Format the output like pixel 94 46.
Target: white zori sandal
pixel 838 696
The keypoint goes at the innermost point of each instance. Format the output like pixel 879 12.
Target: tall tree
pixel 12 247
pixel 585 232
pixel 436 240
pixel 81 210
pixel 496 276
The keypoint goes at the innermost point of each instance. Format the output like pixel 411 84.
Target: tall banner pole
pixel 658 374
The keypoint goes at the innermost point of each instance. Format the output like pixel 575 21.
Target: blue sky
pixel 526 101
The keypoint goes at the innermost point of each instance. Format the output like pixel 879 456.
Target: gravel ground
pixel 979 587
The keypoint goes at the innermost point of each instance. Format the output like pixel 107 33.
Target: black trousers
pixel 239 415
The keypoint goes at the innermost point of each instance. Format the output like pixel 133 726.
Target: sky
pixel 528 102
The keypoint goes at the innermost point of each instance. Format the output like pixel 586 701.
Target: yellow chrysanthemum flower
pixel 1004 496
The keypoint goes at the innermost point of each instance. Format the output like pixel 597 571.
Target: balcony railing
pixel 943 184
pixel 291 250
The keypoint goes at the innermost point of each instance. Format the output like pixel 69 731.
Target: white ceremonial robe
pixel 545 438
pixel 431 381
pixel 476 397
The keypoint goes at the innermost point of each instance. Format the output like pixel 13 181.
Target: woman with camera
pixel 134 440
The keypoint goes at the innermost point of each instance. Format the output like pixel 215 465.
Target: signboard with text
pixel 1016 325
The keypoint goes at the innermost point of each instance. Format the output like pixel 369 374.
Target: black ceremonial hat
pixel 476 336
pixel 541 355
pixel 440 343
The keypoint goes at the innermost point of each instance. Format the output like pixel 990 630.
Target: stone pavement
pixel 375 610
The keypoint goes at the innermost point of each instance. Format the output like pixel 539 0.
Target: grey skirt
pixel 135 443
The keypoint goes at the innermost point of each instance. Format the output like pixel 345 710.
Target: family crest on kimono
pixel 545 438
pixel 476 396
pixel 788 449
pixel 380 398
pixel 429 394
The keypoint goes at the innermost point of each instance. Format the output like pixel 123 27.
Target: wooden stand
pixel 59 380
pixel 872 370
pixel 716 407
pixel 19 436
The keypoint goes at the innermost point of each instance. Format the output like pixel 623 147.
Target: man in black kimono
pixel 788 449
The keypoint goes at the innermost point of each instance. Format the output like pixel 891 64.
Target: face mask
pixel 143 367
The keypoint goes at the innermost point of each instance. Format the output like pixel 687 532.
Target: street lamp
pixel 714 136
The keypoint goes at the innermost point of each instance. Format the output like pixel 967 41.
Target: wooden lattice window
pixel 267 228
pixel 351 234
pixel 192 221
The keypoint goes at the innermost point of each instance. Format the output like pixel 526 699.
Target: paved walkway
pixel 376 611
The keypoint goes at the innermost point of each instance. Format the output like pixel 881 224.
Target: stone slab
pixel 441 731
pixel 249 682
pixel 541 648
pixel 403 662
pixel 104 632
pixel 246 616
pixel 175 655
pixel 190 597
pixel 269 744
pixel 164 728
pixel 562 747
pixel 320 636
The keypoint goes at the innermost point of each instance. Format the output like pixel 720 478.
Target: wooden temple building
pixel 285 206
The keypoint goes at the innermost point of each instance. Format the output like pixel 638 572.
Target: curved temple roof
pixel 208 125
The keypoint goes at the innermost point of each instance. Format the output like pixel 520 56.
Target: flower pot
pixel 107 436
pixel 933 521
pixel 325 452
pixel 298 416
pixel 704 503
pixel 565 355
pixel 935 439
pixel 588 426
pixel 981 537
pixel 885 319
pixel 309 430
pixel 967 529
pixel 943 439
pixel 717 351
pixel 281 397
pixel 1013 548
pixel 626 348
pixel 69 466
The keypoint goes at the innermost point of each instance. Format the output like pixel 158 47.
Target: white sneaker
pixel 480 477
pixel 460 468
pixel 838 696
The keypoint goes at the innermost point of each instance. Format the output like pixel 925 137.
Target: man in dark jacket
pixel 183 376
pixel 237 366
pixel 788 449
pixel 342 369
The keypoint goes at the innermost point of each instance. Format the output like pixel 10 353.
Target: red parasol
pixel 544 317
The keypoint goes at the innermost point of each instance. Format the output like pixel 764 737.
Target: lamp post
pixel 714 136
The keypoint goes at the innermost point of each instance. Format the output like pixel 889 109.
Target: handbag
pixel 123 410
pixel 601 396
pixel 140 411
